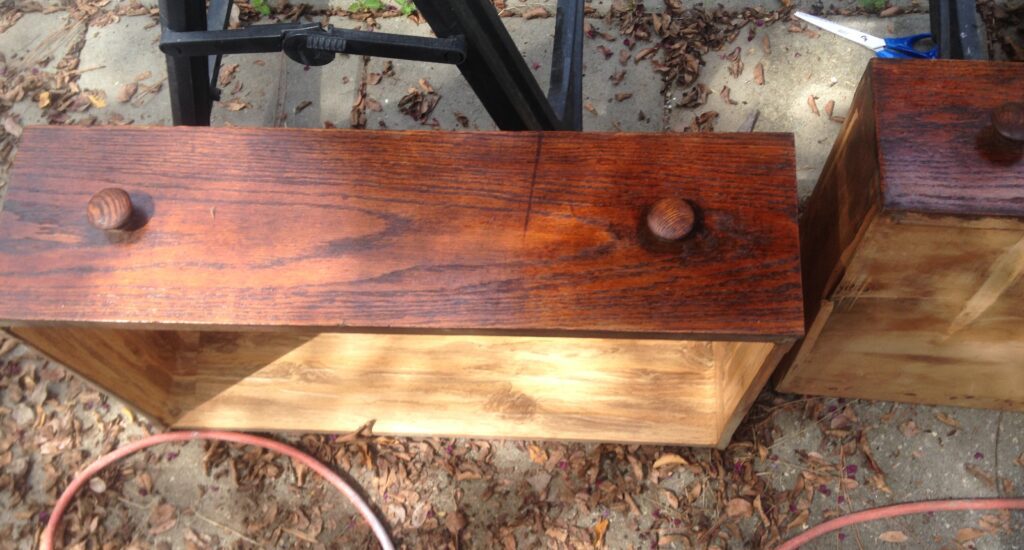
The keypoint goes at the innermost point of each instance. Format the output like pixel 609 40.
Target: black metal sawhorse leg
pixel 188 77
pixel 955 28
pixel 469 33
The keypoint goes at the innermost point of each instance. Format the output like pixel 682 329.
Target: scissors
pixel 901 47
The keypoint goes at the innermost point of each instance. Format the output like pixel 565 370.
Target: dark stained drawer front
pixel 939 151
pixel 505 233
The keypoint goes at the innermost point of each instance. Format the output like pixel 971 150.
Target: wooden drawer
pixel 478 284
pixel 913 243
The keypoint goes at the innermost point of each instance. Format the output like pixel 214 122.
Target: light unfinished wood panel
pixel 941 258
pixel 643 391
pixel 743 370
pixel 901 350
pixel 134 365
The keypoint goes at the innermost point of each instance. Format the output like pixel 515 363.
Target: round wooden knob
pixel 1008 120
pixel 111 208
pixel 670 219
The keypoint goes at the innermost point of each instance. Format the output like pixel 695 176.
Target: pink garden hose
pixel 313 464
pixel 902 510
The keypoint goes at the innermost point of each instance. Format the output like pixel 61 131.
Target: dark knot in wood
pixel 670 219
pixel 111 208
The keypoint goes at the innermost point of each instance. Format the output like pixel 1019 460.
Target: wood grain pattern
pixel 136 366
pixel 837 210
pixel 507 233
pixel 916 292
pixel 640 391
pixel 938 149
pixel 929 311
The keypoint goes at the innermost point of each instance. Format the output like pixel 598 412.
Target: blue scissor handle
pixel 902 47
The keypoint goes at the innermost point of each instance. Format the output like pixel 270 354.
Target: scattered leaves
pixel 694 97
pixel 420 102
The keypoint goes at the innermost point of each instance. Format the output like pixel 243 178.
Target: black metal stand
pixel 469 34
pixel 955 28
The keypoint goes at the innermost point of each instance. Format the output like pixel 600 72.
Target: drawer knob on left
pixel 110 209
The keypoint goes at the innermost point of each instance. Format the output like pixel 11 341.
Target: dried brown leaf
pixel 799 520
pixel 946 419
pixel 537 454
pixel 670 459
pixel 599 530
pixel 759 74
pixel 909 428
pixel 236 105
pixel 813 104
pixel 830 106
pixel 162 518
pixel 726 97
pixel 739 507
pixel 893 536
pixel 968 534
pixel 127 92
pixel 557 533
pixel 623 96
pixel 890 11
pixel 455 522
pixel 537 12
pixel 617 77
pixel 589 107
pixel 644 54
pixel 766 45
pixel 982 475
pixel 12 127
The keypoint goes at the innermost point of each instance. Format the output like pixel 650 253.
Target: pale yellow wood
pixel 642 391
pixel 743 370
pixel 930 311
pixel 131 364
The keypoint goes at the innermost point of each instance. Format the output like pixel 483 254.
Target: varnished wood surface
pixel 938 149
pixel 913 244
pixel 512 233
